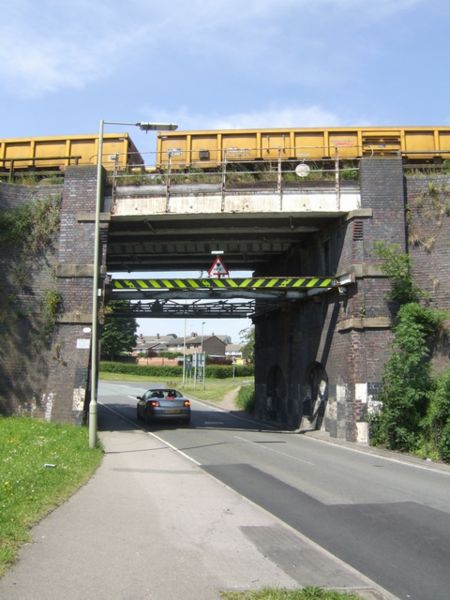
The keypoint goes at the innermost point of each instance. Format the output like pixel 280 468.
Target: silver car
pixel 163 404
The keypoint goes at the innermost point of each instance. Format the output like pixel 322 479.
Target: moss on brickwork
pixel 29 299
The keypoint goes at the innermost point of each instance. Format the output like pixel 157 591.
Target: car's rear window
pixel 165 394
pixel 171 394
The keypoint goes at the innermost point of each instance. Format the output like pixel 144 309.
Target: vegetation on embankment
pixel 415 412
pixel 42 465
pixel 246 397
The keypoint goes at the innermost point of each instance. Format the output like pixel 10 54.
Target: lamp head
pixel 157 126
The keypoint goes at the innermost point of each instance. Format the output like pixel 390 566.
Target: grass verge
pixel 307 593
pixel 42 465
pixel 213 390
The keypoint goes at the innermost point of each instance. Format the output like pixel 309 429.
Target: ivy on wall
pixel 31 226
pixel 431 206
pixel 27 233
pixel 415 413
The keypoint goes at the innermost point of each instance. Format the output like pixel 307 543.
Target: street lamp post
pixel 201 341
pixel 144 126
pixel 203 358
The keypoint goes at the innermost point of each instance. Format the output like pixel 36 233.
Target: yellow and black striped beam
pixel 229 283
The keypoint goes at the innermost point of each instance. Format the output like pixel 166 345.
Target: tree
pixel 119 330
pixel 248 344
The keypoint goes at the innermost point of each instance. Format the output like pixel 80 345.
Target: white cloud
pixel 278 117
pixel 47 46
pixel 283 116
pixel 59 48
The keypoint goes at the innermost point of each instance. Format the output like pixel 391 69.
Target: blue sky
pixel 224 63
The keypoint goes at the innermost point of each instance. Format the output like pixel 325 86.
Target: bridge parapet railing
pixel 236 174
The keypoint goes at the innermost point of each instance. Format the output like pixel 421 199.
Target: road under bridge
pixel 307 246
pixel 316 294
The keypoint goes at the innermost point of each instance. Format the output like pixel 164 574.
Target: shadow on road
pixel 122 417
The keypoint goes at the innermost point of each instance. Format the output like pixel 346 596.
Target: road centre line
pixel 371 585
pixel 306 462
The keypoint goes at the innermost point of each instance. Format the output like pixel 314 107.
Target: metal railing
pixel 12 166
pixel 232 176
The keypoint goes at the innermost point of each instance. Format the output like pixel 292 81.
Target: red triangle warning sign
pixel 217 269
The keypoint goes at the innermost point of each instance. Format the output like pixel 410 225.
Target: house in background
pixel 149 345
pixel 234 351
pixel 213 345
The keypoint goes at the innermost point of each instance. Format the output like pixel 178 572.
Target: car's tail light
pixel 154 403
pixel 186 403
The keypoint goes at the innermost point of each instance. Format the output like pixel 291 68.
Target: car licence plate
pixel 173 411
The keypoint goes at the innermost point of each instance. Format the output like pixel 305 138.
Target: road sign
pixel 217 269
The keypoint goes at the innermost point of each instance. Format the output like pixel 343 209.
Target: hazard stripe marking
pixel 312 283
pixel 274 283
pixel 299 282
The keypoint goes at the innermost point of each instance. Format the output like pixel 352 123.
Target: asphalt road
pixel 387 516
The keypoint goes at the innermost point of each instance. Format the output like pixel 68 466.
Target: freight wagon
pixel 205 149
pixel 59 152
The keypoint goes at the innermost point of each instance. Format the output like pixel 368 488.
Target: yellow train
pixel 209 148
pixel 58 152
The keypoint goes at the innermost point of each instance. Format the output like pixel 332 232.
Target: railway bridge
pixel 316 293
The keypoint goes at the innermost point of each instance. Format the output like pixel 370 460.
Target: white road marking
pixel 165 442
pixel 177 450
pixel 370 583
pixel 399 461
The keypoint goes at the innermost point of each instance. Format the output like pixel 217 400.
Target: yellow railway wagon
pixel 59 152
pixel 209 148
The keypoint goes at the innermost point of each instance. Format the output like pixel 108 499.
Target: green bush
pixel 212 371
pixel 169 354
pixel 145 370
pixel 415 414
pixel 246 398
pixel 444 443
pixel 407 381
pixel 224 371
pixel 437 421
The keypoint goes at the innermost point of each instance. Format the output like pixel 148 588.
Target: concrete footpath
pixel 151 524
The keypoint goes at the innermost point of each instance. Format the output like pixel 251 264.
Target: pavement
pixel 153 525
